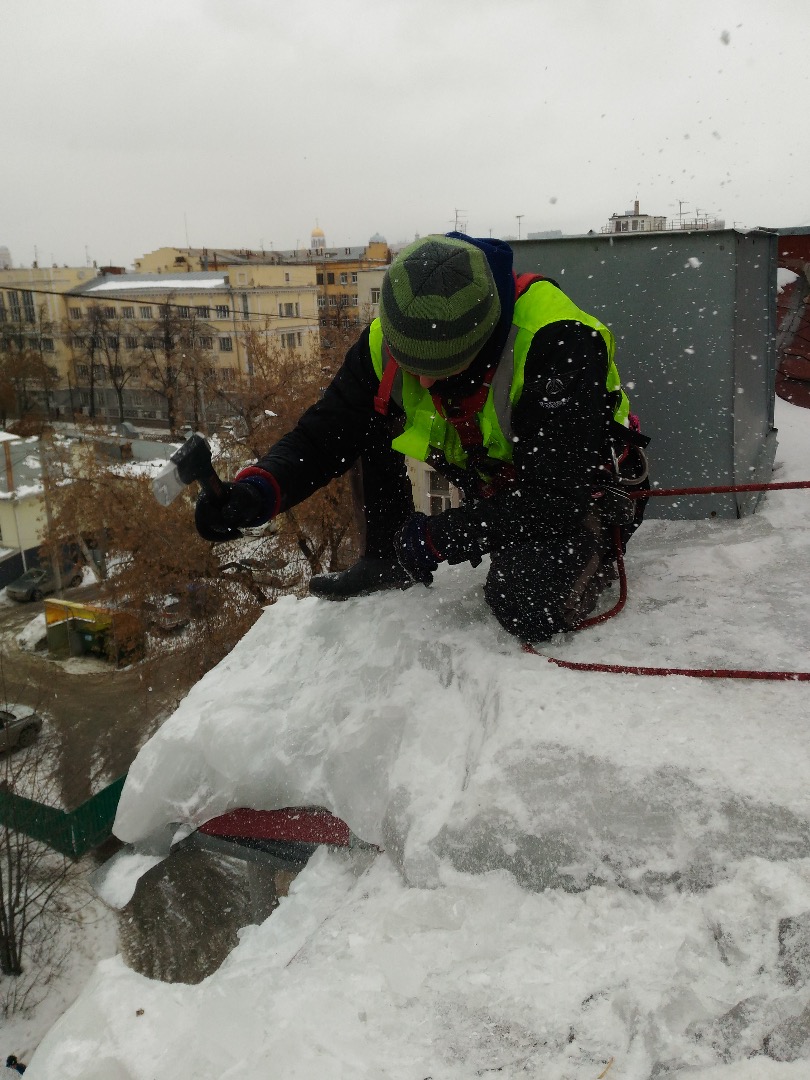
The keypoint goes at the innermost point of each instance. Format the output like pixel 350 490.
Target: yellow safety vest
pixel 426 430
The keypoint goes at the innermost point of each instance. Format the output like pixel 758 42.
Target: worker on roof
pixel 503 385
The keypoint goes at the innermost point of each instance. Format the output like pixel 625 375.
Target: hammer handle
pixel 214 487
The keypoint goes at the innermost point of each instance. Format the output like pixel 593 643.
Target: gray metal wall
pixel 694 316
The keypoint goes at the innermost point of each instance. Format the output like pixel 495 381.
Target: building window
pixel 319 279
pixel 333 301
pixel 226 344
pixel 222 311
pixel 75 313
pixel 206 342
pixel 226 375
pixel 321 301
pixel 109 312
pixel 375 296
pixel 128 312
pixel 14 304
pixel 354 277
pixel 344 279
pixel 2 308
pixel 291 341
pixel 130 342
pixel 353 300
pixel 145 312
pixel 28 306
pixel 203 311
pixel 113 342
pixel 286 276
pixel 184 311
pixel 47 344
pixel 330 278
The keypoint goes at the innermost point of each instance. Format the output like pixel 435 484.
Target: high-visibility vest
pixel 426 430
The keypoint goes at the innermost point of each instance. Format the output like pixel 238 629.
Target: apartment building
pixel 94 330
pixel 92 326
pixel 346 277
pixel 633 221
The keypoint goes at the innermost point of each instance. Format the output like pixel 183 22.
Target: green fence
pixel 74 833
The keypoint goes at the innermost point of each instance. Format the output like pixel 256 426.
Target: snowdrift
pixel 577 868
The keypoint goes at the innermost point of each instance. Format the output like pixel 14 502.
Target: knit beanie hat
pixel 438 305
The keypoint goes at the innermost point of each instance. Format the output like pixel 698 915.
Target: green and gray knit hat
pixel 438 305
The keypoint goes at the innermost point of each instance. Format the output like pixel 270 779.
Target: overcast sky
pixel 243 123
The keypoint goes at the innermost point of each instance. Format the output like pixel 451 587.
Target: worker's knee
pixel 537 590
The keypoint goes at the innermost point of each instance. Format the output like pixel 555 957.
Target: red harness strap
pixel 383 397
pixel 462 415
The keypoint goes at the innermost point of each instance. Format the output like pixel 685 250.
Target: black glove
pixel 415 550
pixel 243 506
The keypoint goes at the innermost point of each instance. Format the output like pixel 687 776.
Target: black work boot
pixel 368 575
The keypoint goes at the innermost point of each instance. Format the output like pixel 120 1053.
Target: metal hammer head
pixel 191 461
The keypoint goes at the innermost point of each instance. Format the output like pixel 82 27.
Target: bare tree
pixel 86 337
pixel 176 361
pixel 34 878
pixel 154 551
pixel 118 370
pixel 26 337
pixel 283 383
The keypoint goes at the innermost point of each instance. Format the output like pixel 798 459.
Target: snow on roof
pixel 184 282
pixel 579 869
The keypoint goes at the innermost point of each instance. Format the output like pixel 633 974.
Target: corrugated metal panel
pixel 694 315
pixel 72 834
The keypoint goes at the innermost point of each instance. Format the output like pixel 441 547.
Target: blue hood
pixel 499 256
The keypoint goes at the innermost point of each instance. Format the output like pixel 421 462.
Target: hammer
pixel 192 461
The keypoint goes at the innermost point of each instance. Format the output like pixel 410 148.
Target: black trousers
pixel 551 584
pixel 535 588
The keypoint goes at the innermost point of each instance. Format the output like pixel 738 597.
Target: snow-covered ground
pixel 584 875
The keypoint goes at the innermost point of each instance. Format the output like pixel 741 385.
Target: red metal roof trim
pixel 302 825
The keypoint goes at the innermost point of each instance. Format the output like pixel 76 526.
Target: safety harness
pixel 473 437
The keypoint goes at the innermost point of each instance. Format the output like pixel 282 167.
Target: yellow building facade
pixel 91 329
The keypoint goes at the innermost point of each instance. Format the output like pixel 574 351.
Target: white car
pixel 19 726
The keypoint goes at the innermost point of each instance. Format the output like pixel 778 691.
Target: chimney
pixel 635 208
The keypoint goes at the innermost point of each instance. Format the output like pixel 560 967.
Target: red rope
pixel 617 607
pixel 720 489
pixel 694 673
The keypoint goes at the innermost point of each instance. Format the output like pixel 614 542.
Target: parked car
pixel 38 581
pixel 19 726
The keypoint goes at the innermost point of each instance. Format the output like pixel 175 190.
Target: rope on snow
pixel 695 673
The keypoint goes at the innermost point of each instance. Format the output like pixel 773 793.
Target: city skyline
pixel 248 124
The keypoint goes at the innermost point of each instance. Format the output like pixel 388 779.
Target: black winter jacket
pixel 561 426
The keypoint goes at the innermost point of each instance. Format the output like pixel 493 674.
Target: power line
pixel 147 300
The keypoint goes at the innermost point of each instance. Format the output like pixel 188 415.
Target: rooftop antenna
pixel 519 216
pixel 459 225
pixel 185 223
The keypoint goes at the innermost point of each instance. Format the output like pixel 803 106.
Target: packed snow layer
pixel 577 867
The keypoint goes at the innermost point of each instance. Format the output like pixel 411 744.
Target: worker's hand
pixel 415 550
pixel 243 506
